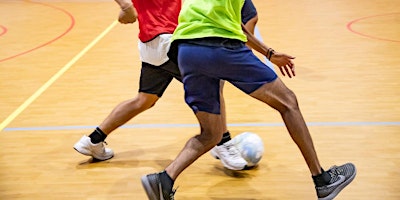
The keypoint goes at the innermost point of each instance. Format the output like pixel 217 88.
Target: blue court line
pixel 133 126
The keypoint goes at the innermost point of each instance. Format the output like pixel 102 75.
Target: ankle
pixel 166 181
pixel 225 138
pixel 321 179
pixel 97 136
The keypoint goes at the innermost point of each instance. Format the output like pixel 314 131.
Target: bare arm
pixel 283 61
pixel 251 24
pixel 128 13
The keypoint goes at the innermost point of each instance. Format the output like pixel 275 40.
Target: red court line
pixel 350 28
pixel 3 30
pixel 49 42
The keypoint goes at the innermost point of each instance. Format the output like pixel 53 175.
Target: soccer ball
pixel 250 146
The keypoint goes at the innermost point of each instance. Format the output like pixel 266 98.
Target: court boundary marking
pixel 46 43
pixel 351 23
pixel 4 30
pixel 44 87
pixel 134 126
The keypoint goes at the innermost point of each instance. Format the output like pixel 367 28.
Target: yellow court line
pixel 44 87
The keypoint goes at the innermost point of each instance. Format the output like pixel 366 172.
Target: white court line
pixel 44 87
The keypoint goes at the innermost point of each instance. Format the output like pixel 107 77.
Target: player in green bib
pixel 210 46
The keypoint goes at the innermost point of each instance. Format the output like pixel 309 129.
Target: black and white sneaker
pixel 341 176
pixel 154 189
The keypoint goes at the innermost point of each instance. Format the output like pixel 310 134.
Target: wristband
pixel 270 53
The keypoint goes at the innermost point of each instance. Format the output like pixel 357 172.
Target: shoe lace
pixel 334 172
pixel 231 149
pixel 336 169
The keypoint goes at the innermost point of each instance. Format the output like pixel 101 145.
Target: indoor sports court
pixel 65 64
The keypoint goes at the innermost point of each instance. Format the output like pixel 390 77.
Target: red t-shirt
pixel 156 17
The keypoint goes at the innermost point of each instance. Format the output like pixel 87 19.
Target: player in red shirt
pixel 157 21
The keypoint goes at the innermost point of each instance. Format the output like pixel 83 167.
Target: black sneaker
pixel 154 190
pixel 341 176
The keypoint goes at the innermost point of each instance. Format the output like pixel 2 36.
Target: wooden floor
pixel 65 64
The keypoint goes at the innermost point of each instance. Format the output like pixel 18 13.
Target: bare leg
pixel 211 133
pixel 126 110
pixel 278 96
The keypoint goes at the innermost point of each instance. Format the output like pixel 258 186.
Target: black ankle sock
pixel 97 136
pixel 321 179
pixel 225 138
pixel 166 181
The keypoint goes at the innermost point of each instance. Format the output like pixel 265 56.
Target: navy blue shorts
pixel 202 67
pixel 248 12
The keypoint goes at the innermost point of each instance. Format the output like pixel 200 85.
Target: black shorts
pixel 155 79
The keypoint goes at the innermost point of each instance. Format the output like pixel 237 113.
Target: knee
pixel 143 103
pixel 290 101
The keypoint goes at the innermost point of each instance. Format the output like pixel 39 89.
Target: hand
pixel 127 15
pixel 285 63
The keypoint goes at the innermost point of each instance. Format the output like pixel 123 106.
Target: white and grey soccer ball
pixel 250 146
